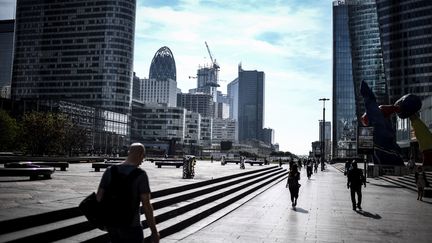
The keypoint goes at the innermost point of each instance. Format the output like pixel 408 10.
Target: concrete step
pixel 72 228
pixel 188 194
pixel 396 181
pixel 173 219
pixel 218 209
pixel 339 166
pixel 407 184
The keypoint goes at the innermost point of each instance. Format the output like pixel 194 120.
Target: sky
pixel 289 40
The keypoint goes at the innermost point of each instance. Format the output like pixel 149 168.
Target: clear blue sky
pixel 290 40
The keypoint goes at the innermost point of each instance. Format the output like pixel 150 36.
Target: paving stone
pixel 324 214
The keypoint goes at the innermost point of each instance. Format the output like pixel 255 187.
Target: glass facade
pixel 232 93
pixel 75 50
pixel 6 52
pixel 163 65
pixel 367 59
pixel 250 104
pixel 344 116
pixel 157 122
pixel 406 32
pixel 107 132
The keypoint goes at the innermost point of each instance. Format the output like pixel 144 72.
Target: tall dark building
pixel 163 65
pixel 136 87
pixel 6 55
pixel 344 115
pixel 367 59
pixel 75 50
pixel 250 104
pixel 406 34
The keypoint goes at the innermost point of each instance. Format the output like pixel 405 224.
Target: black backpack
pixel 118 203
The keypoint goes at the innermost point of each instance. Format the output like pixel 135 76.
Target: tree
pixel 75 137
pixel 9 131
pixel 51 133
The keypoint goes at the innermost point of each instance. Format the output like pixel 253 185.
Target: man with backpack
pixel 120 192
pixel 355 182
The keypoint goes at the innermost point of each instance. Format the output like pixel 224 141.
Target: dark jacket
pixel 356 178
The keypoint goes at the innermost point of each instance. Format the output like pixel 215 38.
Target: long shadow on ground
pixel 368 214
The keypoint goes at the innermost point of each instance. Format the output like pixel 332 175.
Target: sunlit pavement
pixel 324 214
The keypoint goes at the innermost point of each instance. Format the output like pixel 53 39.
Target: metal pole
pixel 323 134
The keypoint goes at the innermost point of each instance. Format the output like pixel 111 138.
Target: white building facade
pixel 158 91
pixel 223 130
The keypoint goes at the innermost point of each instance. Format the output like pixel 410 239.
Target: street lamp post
pixel 323 134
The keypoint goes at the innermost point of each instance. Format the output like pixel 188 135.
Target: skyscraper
pixel 406 34
pixel 232 93
pixel 344 115
pixel 327 132
pixel 367 60
pixel 163 65
pixel 75 50
pixel 250 104
pixel 6 55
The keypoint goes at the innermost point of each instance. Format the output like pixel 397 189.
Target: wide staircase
pixel 182 210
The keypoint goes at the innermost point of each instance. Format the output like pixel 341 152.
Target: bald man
pixel 121 190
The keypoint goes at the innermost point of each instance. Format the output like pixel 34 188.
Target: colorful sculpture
pixel 407 107
pixel 386 149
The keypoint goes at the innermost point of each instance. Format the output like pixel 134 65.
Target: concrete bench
pixel 169 163
pixel 61 165
pixel 103 165
pixel 33 173
pixel 252 162
pixel 232 161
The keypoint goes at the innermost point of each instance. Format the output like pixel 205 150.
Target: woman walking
pixel 293 184
pixel 421 182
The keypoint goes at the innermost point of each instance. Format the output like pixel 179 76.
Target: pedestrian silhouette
pixel 293 184
pixel 421 182
pixel 354 183
pixel 121 190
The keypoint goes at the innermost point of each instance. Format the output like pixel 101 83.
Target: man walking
pixel 120 192
pixel 355 181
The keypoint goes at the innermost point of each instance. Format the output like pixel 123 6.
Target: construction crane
pixel 215 66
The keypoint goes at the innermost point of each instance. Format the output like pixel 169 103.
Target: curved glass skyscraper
pixel 75 50
pixel 163 65
pixel 367 59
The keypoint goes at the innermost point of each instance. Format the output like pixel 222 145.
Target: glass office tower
pixel 406 35
pixel 6 54
pixel 250 104
pixel 75 50
pixel 344 116
pixel 367 59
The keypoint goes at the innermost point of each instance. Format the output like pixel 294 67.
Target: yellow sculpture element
pixel 424 136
